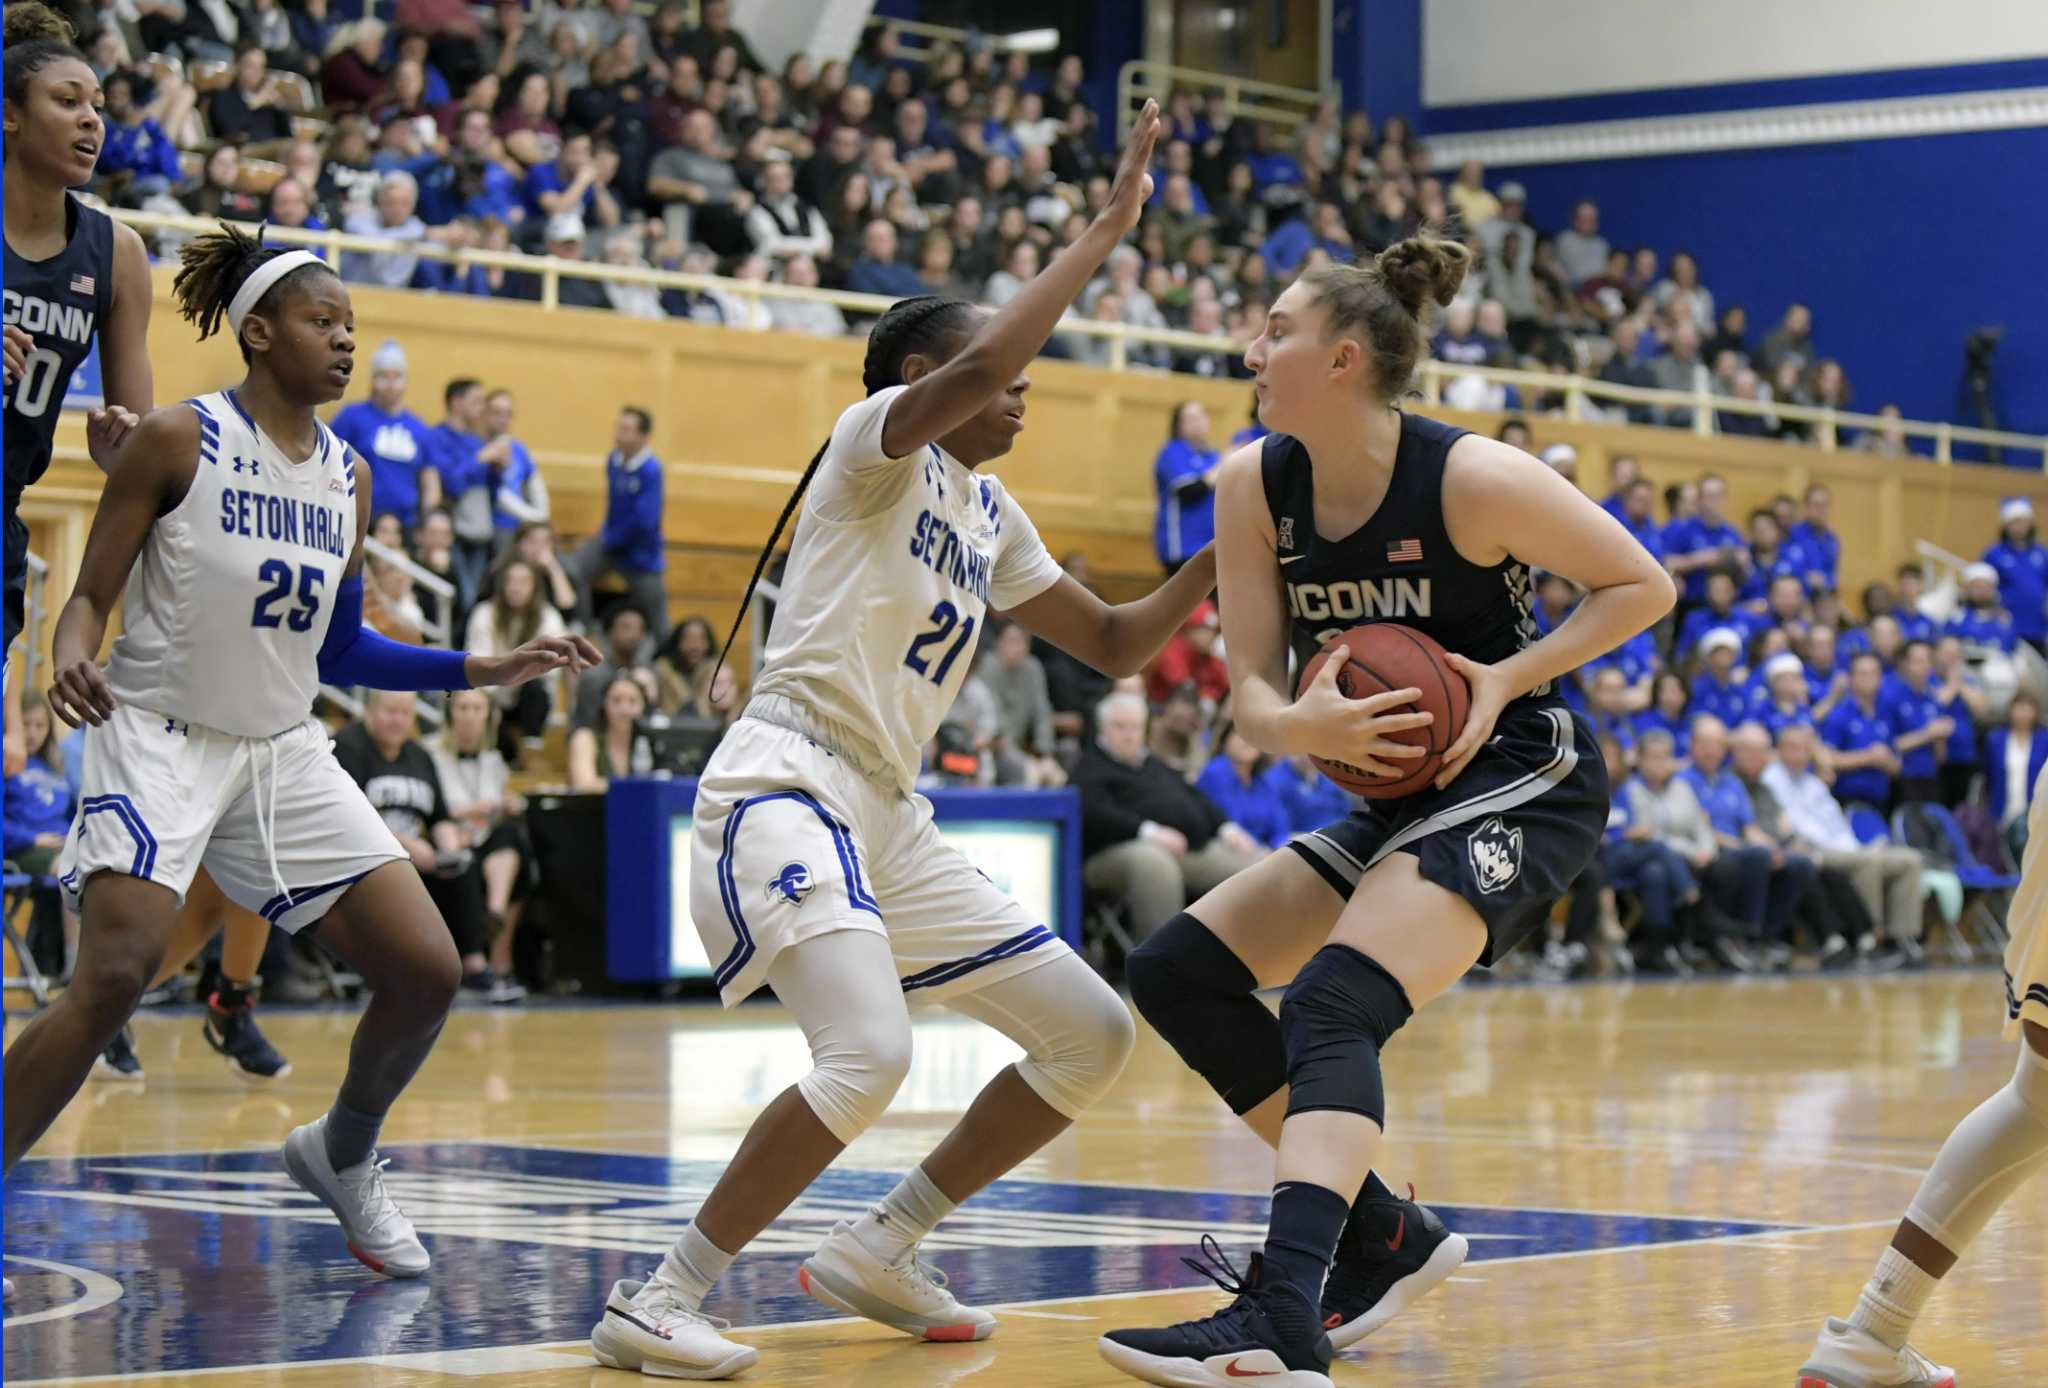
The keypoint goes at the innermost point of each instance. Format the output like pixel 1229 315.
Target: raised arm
pixel 941 401
pixel 1123 638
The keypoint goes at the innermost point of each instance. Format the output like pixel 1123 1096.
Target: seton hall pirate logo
pixel 1496 852
pixel 792 884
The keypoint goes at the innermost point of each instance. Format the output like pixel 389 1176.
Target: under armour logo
pixel 178 726
pixel 247 465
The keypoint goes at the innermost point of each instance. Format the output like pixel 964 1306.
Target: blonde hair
pixel 1385 303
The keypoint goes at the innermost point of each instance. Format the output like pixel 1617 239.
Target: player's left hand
pixel 105 428
pixel 19 344
pixel 540 656
pixel 1490 694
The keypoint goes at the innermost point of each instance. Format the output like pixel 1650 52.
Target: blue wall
pixel 1901 247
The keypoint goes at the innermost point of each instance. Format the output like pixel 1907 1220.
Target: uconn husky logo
pixel 792 884
pixel 1496 854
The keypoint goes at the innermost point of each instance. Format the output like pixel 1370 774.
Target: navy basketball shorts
pixel 1509 834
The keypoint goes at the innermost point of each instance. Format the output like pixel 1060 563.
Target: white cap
pixel 1560 456
pixel 1721 636
pixel 1980 570
pixel 565 226
pixel 389 356
pixel 1783 663
pixel 2015 508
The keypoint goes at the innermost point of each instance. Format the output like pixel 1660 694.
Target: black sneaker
pixel 233 1032
pixel 1390 1255
pixel 119 1061
pixel 487 987
pixel 1269 1333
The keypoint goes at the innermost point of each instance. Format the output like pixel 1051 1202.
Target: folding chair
pixel 17 886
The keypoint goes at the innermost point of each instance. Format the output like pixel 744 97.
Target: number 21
pixel 944 618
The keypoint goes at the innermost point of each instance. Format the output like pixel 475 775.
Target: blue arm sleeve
pixel 354 654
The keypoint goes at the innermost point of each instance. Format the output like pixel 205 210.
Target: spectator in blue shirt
pixel 1859 735
pixel 1717 611
pixel 1961 696
pixel 1909 583
pixel 1980 620
pixel 519 495
pixel 1667 712
pixel 1784 699
pixel 2022 564
pixel 1757 881
pixel 1638 514
pixel 1819 549
pixel 877 271
pixel 2013 757
pixel 1827 679
pixel 1253 430
pixel 1785 605
pixel 136 145
pixel 39 798
pixel 1185 476
pixel 1770 558
pixel 630 543
pixel 1637 660
pixel 1622 472
pixel 1235 779
pixel 1719 689
pixel 1697 545
pixel 1635 861
pixel 1607 707
pixel 1920 730
pixel 456 449
pixel 392 439
pixel 1307 797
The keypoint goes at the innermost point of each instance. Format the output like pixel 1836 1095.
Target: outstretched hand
pixel 1132 188
pixel 540 656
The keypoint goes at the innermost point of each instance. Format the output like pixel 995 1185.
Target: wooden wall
pixel 738 414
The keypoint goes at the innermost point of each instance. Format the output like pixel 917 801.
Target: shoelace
pixel 370 1194
pixel 1919 1363
pixel 665 1308
pixel 1215 1265
pixel 912 1269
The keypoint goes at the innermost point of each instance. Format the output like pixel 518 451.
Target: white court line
pixel 100 1290
pixel 1048 1315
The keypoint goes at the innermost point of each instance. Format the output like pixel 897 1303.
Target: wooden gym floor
pixel 1666 1184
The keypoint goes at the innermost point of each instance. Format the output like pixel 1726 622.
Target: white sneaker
pixel 907 1294
pixel 379 1234
pixel 1847 1356
pixel 6 1289
pixel 646 1327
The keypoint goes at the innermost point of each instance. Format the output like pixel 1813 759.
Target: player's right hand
pixel 81 694
pixel 19 345
pixel 1132 188
pixel 1339 728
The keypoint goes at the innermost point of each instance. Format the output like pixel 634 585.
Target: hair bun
pixel 1423 270
pixel 25 23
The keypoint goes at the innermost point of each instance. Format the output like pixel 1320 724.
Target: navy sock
pixel 350 1135
pixel 1302 1238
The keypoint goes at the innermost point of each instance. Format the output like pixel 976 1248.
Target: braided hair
pixel 214 266
pixel 35 36
pixel 909 327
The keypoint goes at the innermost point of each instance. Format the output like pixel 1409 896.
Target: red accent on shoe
pixel 365 1259
pixel 950 1333
pixel 1411 1191
pixel 1400 1232
pixel 1333 1320
pixel 803 1279
pixel 1231 1370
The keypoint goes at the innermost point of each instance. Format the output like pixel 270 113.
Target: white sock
pixel 1892 1299
pixel 904 1217
pixel 691 1266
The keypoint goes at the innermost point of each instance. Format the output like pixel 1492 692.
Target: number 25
pixel 278 575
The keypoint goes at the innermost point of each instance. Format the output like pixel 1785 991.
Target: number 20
pixel 944 618
pixel 278 575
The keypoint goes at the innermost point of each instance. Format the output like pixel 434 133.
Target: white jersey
pixel 894 567
pixel 230 598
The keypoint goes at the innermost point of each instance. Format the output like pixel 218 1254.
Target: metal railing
pixel 1266 101
pixel 928 37
pixel 34 612
pixel 1578 392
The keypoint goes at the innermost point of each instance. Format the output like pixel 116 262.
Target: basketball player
pixel 75 277
pixel 1354 508
pixel 1993 1152
pixel 233 520
pixel 816 868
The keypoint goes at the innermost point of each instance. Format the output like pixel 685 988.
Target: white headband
pixel 258 284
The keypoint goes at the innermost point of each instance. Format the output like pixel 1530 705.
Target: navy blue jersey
pixel 61 303
pixel 1400 565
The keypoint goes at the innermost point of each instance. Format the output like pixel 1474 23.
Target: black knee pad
pixel 1334 1019
pixel 1198 995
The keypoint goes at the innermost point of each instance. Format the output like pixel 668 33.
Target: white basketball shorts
pixel 791 842
pixel 276 821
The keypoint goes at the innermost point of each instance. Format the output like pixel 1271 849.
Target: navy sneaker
pixel 1391 1254
pixel 119 1061
pixel 233 1032
pixel 1270 1332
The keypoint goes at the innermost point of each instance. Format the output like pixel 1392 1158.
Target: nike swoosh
pixel 1292 558
pixel 1231 1370
pixel 1400 1232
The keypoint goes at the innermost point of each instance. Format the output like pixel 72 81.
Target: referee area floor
pixel 1663 1184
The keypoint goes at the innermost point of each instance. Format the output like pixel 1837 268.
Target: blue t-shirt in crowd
pixel 1187 505
pixel 1310 801
pixel 1619 726
pixel 1775 717
pixel 513 477
pixel 1619 817
pixel 39 801
pixel 1962 743
pixel 1702 620
pixel 453 454
pixel 2022 585
pixel 632 513
pixel 1690 536
pixel 1648 533
pixel 1653 720
pixel 1723 797
pixel 1984 626
pixel 142 150
pixel 547 178
pixel 1255 808
pixel 1763 572
pixel 1916 625
pixel 397 448
pixel 1910 710
pixel 1850 727
pixel 1636 658
pixel 1819 551
pixel 1727 702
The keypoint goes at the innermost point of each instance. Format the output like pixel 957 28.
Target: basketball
pixel 1386 655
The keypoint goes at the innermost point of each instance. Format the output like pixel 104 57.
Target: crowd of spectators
pixel 587 131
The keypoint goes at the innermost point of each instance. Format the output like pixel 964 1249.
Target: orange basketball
pixel 1380 656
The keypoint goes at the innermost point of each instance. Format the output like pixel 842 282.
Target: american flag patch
pixel 1406 552
pixel 81 284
